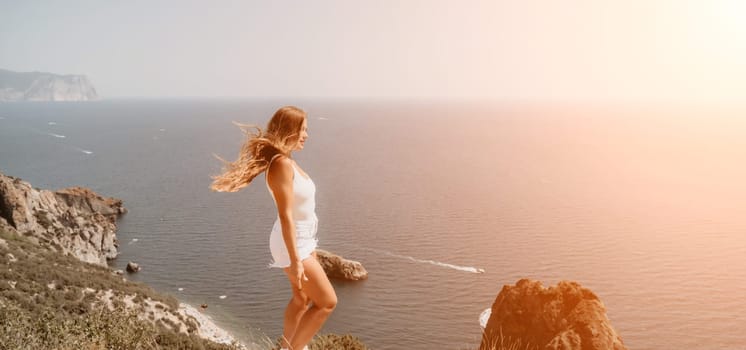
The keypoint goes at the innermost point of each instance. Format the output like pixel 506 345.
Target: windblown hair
pixel 280 137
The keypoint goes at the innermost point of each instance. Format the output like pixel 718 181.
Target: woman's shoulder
pixel 281 164
pixel 282 159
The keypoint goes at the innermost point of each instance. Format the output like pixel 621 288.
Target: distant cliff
pixel 39 86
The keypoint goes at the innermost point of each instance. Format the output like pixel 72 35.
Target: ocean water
pixel 644 205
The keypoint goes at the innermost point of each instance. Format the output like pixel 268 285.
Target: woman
pixel 293 236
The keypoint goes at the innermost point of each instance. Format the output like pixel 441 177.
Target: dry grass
pixel 502 342
pixel 331 342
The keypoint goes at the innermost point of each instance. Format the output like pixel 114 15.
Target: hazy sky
pixel 569 49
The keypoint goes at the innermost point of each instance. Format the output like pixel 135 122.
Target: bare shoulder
pixel 284 162
pixel 281 169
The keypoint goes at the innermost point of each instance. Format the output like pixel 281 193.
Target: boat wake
pixel 431 262
pixel 83 150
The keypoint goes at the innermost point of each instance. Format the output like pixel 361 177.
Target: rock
pixel 74 220
pixel 566 317
pixel 484 317
pixel 11 258
pixel 118 272
pixel 336 266
pixel 82 197
pixel 132 267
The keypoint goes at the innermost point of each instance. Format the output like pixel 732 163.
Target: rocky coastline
pixel 79 223
pixel 54 249
pixel 73 221
pixel 75 229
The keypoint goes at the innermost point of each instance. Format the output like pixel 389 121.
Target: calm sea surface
pixel 645 206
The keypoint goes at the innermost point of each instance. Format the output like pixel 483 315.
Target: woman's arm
pixel 280 180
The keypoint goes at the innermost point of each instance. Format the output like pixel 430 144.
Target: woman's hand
pixel 298 273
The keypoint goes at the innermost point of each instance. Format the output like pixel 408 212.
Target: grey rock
pixel 74 220
pixel 132 267
pixel 336 266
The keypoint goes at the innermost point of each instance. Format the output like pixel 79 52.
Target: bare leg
pixel 320 291
pixel 296 308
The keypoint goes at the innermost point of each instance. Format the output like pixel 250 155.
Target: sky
pixel 528 49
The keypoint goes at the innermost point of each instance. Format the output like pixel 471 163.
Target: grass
pixel 503 342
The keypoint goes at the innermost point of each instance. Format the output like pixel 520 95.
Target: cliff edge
pixel 73 221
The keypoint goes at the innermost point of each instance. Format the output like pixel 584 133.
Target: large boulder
pixel 566 317
pixel 74 220
pixel 336 266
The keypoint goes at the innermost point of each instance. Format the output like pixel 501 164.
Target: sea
pixel 443 202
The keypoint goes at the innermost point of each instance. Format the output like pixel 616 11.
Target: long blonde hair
pixel 280 137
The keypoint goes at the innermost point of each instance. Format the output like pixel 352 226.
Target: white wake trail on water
pixel 83 150
pixel 431 262
pixel 60 137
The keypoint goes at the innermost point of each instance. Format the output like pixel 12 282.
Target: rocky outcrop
pixel 73 221
pixel 566 317
pixel 40 86
pixel 132 267
pixel 336 266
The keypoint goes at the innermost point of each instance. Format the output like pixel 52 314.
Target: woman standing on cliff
pixel 293 237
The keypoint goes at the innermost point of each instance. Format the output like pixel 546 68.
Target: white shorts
pixel 305 242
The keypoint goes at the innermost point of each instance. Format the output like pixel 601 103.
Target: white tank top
pixel 304 194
